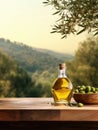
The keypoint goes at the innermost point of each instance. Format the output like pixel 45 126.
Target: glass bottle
pixel 62 87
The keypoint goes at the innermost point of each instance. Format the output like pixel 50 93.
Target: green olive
pixel 84 87
pixel 88 88
pixel 81 89
pixel 82 92
pixel 76 91
pixel 93 89
pixel 80 104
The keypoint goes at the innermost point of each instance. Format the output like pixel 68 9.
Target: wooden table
pixel 40 113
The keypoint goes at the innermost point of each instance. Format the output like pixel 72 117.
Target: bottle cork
pixel 62 66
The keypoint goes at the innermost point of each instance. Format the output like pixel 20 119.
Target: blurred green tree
pixel 84 68
pixel 14 81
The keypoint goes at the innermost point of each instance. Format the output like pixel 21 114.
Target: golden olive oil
pixel 62 87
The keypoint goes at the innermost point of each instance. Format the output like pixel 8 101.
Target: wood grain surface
pixel 41 109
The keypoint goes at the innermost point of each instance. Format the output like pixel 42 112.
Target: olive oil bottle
pixel 62 87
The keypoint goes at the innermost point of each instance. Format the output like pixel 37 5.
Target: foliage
pixel 44 82
pixel 75 16
pixel 14 81
pixel 84 68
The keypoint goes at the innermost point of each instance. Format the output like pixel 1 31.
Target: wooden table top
pixel 41 109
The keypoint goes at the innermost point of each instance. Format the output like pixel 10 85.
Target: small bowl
pixel 86 98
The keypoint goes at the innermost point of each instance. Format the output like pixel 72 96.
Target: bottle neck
pixel 62 73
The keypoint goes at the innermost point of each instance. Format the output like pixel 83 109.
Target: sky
pixel 30 22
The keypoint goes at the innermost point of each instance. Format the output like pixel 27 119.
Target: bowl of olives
pixel 86 94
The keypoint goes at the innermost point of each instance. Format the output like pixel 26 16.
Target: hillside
pixel 33 59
